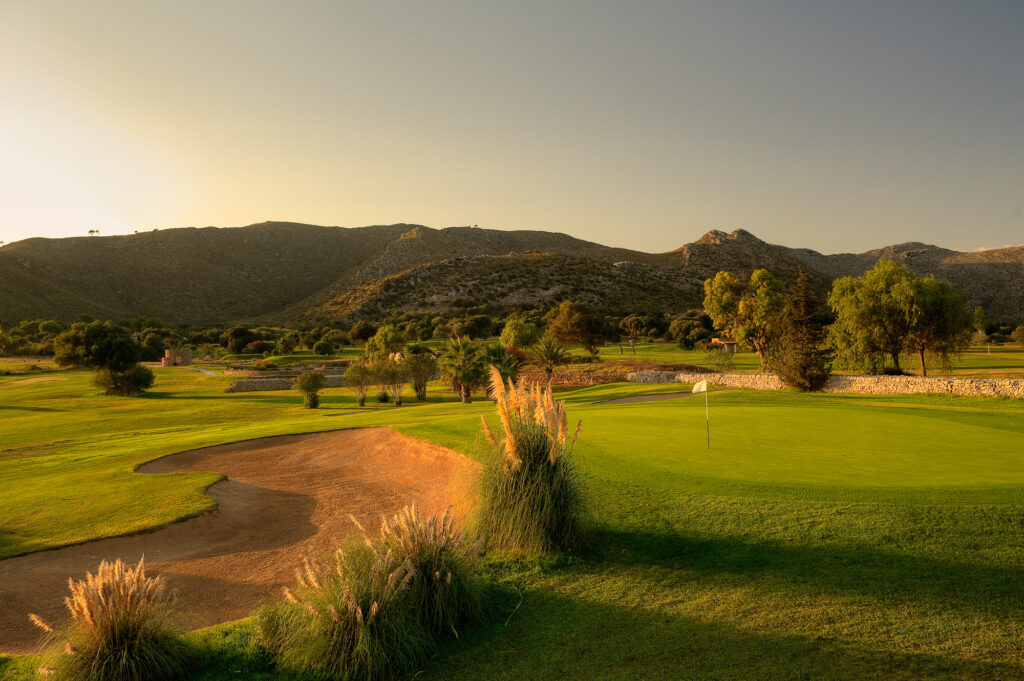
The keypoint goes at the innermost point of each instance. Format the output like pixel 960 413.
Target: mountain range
pixel 285 272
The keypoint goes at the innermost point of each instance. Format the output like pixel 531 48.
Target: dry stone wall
pixel 253 385
pixel 872 385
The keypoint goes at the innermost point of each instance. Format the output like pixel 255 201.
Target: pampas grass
pixel 445 593
pixel 373 610
pixel 119 629
pixel 531 498
pixel 346 619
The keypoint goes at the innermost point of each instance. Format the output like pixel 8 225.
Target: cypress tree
pixel 802 360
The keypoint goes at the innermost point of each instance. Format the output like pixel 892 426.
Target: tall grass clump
pixel 532 494
pixel 120 629
pixel 446 592
pixel 372 611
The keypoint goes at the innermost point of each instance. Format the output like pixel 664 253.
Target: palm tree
pixel 463 367
pixel 547 354
pixel 501 359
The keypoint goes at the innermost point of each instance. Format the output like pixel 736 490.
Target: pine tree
pixel 801 360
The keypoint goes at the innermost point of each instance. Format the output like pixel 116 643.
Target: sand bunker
pixel 284 498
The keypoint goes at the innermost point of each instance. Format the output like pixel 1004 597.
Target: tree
pixel 941 322
pixel 362 331
pixel 519 334
pixel 108 348
pixel 505 362
pixel 323 348
pixel 238 337
pixel 874 316
pixel 1018 335
pixel 387 341
pixel 633 325
pixel 750 314
pixel 577 323
pixel 463 367
pixel 802 361
pixel 287 343
pixel 5 342
pixel 547 355
pixel 980 324
pixel 891 310
pixel 359 378
pixel 389 373
pixel 420 368
pixel 310 384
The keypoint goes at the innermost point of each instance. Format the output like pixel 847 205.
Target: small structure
pixel 730 345
pixel 177 357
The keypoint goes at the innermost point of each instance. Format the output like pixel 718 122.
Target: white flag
pixel 701 387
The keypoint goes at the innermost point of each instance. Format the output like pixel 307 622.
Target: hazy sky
pixel 839 126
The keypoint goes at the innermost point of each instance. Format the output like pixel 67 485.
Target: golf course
pixel 820 536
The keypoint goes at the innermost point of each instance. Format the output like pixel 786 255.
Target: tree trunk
pixel 762 357
pixel 896 361
pixel 548 371
pixel 920 352
pixel 632 345
pixel 466 396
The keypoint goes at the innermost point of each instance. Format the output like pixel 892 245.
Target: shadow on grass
pixel 24 408
pixel 558 637
pixel 886 576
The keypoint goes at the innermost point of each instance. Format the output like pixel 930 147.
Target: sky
pixel 838 126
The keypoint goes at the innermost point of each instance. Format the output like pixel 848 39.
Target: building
pixel 728 344
pixel 177 357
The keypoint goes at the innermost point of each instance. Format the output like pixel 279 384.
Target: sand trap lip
pixel 647 398
pixel 284 498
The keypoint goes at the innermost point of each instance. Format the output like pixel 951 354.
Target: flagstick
pixel 707 417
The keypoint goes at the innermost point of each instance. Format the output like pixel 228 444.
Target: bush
pixel 720 359
pixel 310 384
pixel 258 347
pixel 120 629
pixel 532 497
pixel 1018 335
pixel 127 383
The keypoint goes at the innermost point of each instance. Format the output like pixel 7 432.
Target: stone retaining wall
pixel 252 385
pixel 838 383
pixel 575 379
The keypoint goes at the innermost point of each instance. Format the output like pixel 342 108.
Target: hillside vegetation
pixel 289 272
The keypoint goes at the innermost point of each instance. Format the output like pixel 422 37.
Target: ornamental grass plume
pixel 446 592
pixel 532 494
pixel 120 629
pixel 372 611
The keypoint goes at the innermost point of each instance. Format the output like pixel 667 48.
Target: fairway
pixel 821 536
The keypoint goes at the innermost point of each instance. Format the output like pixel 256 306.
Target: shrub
pixel 120 629
pixel 532 497
pixel 323 348
pixel 309 384
pixel 445 592
pixel 1018 335
pixel 130 382
pixel 258 347
pixel 720 359
pixel 349 619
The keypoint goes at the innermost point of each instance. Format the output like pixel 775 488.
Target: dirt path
pixel 284 498
pixel 647 398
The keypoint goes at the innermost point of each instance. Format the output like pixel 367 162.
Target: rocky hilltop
pixel 291 272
